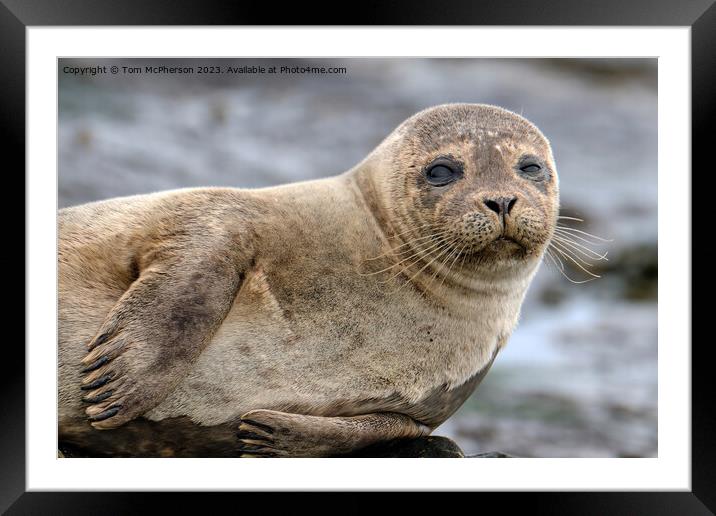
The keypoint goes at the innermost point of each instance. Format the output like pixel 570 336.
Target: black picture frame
pixel 17 15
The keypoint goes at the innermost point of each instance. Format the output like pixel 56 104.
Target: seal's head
pixel 471 180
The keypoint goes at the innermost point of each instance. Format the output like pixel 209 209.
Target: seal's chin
pixel 505 246
pixel 506 242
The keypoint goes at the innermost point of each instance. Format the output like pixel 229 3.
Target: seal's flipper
pixel 268 433
pixel 155 331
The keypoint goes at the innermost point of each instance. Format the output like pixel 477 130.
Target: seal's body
pixel 314 318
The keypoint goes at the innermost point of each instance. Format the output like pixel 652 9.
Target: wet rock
pixel 639 267
pixel 636 270
pixel 491 455
pixel 552 295
pixel 422 447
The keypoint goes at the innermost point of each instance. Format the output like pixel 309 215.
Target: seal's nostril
pixel 501 205
pixel 494 206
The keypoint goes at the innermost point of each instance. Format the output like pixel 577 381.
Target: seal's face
pixel 481 180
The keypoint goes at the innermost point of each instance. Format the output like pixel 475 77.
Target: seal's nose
pixel 500 205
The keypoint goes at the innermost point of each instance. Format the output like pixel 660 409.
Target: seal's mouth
pixel 507 243
pixel 506 239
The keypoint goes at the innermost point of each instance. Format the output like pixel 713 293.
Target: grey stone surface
pixel 422 447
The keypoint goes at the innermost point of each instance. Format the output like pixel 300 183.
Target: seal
pixel 309 319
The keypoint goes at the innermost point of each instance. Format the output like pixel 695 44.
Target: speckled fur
pixel 214 302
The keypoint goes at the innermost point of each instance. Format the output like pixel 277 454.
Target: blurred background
pixel 578 377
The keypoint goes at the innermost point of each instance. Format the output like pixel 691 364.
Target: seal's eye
pixel 531 169
pixel 441 174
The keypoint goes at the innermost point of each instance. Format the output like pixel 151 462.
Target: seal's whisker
pixel 415 228
pixel 438 252
pixel 462 262
pixel 437 267
pixel 417 250
pixel 422 256
pixel 411 242
pixel 425 236
pixel 570 242
pixel 454 261
pixel 557 258
pixel 573 254
pixel 442 264
pixel 575 238
pixel 558 252
pixel 572 259
pixel 575 230
pixel 560 269
pixel 552 262
pixel 438 243
pixel 585 252
pixel 445 249
pixel 580 248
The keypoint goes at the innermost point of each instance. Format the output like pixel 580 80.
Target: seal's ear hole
pixel 133 270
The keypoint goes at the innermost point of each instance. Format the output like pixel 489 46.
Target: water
pixel 578 378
